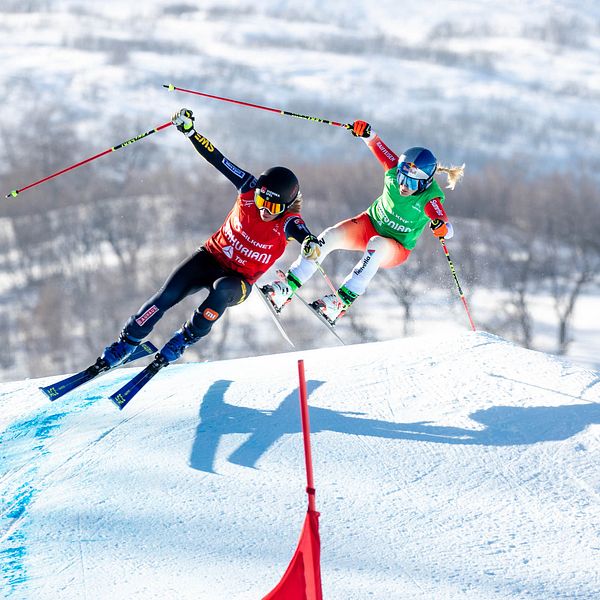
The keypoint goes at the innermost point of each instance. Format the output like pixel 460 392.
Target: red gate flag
pixel 302 579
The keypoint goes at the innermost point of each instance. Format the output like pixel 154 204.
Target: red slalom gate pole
pixel 279 111
pixel 302 579
pixel 90 159
pixel 310 484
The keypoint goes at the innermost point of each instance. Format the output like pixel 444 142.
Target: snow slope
pixel 464 467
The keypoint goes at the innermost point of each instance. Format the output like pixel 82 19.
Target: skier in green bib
pixel 386 232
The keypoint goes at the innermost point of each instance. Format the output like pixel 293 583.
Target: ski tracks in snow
pixel 38 448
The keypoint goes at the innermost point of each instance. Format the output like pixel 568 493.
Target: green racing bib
pixel 402 218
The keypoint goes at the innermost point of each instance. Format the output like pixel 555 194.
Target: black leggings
pixel 197 272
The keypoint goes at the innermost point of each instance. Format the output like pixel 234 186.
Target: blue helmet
pixel 416 168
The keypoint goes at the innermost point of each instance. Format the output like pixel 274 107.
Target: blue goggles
pixel 409 182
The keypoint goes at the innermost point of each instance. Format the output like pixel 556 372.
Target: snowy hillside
pixel 473 79
pixel 456 468
pixel 501 78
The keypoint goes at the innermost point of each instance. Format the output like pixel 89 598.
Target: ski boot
pixel 175 347
pixel 118 352
pixel 332 306
pixel 280 292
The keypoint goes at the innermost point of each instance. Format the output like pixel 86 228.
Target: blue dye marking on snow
pixel 11 561
pixel 40 427
pixel 14 551
pixel 29 439
pixel 19 502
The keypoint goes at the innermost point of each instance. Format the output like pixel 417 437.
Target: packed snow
pixel 451 467
pixel 454 466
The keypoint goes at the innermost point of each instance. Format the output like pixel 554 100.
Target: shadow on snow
pixel 503 426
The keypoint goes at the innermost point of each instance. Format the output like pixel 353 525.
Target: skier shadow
pixel 502 426
pixel 265 427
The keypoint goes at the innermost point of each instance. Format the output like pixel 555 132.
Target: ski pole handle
pixel 455 276
pixel 14 193
pixel 172 88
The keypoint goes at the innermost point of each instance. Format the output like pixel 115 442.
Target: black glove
pixel 184 121
pixel 361 129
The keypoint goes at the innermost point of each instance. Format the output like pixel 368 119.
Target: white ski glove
pixel 311 248
pixel 184 121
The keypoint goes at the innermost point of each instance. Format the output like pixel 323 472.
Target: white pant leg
pixel 378 250
pixel 333 239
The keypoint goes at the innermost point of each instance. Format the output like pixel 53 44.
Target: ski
pixel 123 396
pixel 60 388
pixel 274 315
pixel 313 310
pixel 321 318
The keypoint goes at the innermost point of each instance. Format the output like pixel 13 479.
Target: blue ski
pixel 60 388
pixel 123 396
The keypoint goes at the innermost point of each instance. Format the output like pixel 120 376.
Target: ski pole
pixel 453 271
pixel 328 281
pixel 283 277
pixel 87 160
pixel 172 88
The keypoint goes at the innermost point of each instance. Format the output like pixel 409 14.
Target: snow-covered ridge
pixel 463 467
pixel 502 79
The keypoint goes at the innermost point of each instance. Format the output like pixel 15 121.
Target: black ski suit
pixel 206 269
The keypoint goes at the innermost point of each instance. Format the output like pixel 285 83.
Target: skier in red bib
pixel 254 235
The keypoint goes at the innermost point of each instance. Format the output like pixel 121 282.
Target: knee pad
pixel 231 290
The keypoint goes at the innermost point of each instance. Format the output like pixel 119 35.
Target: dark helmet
pixel 416 168
pixel 278 185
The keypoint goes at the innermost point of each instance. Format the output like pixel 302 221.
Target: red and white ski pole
pixel 174 88
pixel 453 271
pixel 90 159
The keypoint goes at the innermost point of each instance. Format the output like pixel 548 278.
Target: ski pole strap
pixel 90 159
pixel 172 88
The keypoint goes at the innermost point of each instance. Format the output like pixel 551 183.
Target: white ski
pixel 274 315
pixel 315 312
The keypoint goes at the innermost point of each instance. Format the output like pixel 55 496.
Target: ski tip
pixel 119 400
pixel 50 392
pixel 12 194
pixel 169 86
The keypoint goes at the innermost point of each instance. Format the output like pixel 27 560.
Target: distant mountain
pixel 476 80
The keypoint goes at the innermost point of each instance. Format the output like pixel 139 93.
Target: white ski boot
pixel 330 307
pixel 279 293
pixel 334 306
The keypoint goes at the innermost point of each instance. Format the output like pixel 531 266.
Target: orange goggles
pixel 275 208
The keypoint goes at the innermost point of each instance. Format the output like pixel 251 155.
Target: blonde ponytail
pixel 296 205
pixel 454 174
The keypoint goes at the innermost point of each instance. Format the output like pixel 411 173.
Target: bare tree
pixel 404 283
pixel 572 257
